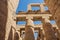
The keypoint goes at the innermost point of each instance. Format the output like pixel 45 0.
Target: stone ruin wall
pixel 54 7
pixel 7 9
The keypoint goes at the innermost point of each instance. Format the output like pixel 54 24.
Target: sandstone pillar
pixel 49 33
pixel 42 7
pixel 56 17
pixel 13 31
pixel 29 30
pixel 40 35
pixel 10 37
pixel 13 34
pixel 16 36
pixel 11 9
pixel 29 7
pixel 57 33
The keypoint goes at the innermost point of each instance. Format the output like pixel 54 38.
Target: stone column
pixel 29 7
pixel 13 33
pixel 57 33
pixel 40 35
pixel 19 35
pixel 16 36
pixel 49 33
pixel 29 30
pixel 11 8
pixel 42 7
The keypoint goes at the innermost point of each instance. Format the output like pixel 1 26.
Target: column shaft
pixel 42 7
pixel 49 33
pixel 58 34
pixel 40 35
pixel 29 30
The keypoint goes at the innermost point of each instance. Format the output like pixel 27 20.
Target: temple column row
pixel 47 27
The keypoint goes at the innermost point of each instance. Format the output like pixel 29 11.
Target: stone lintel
pixel 35 26
pixel 33 16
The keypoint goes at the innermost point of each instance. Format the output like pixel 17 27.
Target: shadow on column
pixel 16 36
pixel 49 33
pixel 40 35
pixel 29 34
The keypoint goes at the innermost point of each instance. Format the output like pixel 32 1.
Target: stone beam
pixel 36 4
pixel 40 34
pixel 35 16
pixel 35 26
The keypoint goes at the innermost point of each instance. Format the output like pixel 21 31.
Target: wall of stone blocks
pixel 7 9
pixel 54 7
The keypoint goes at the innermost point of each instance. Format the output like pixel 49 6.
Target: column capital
pixel 29 21
pixel 46 19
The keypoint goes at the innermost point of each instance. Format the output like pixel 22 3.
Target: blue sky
pixel 23 4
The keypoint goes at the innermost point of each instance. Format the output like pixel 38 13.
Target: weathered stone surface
pixel 36 4
pixel 29 30
pixel 10 37
pixel 49 33
pixel 48 29
pixel 40 34
pixel 12 5
pixel 3 18
pixel 7 20
pixel 54 7
pixel 7 8
pixel 16 36
pixel 57 33
pixel 29 34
